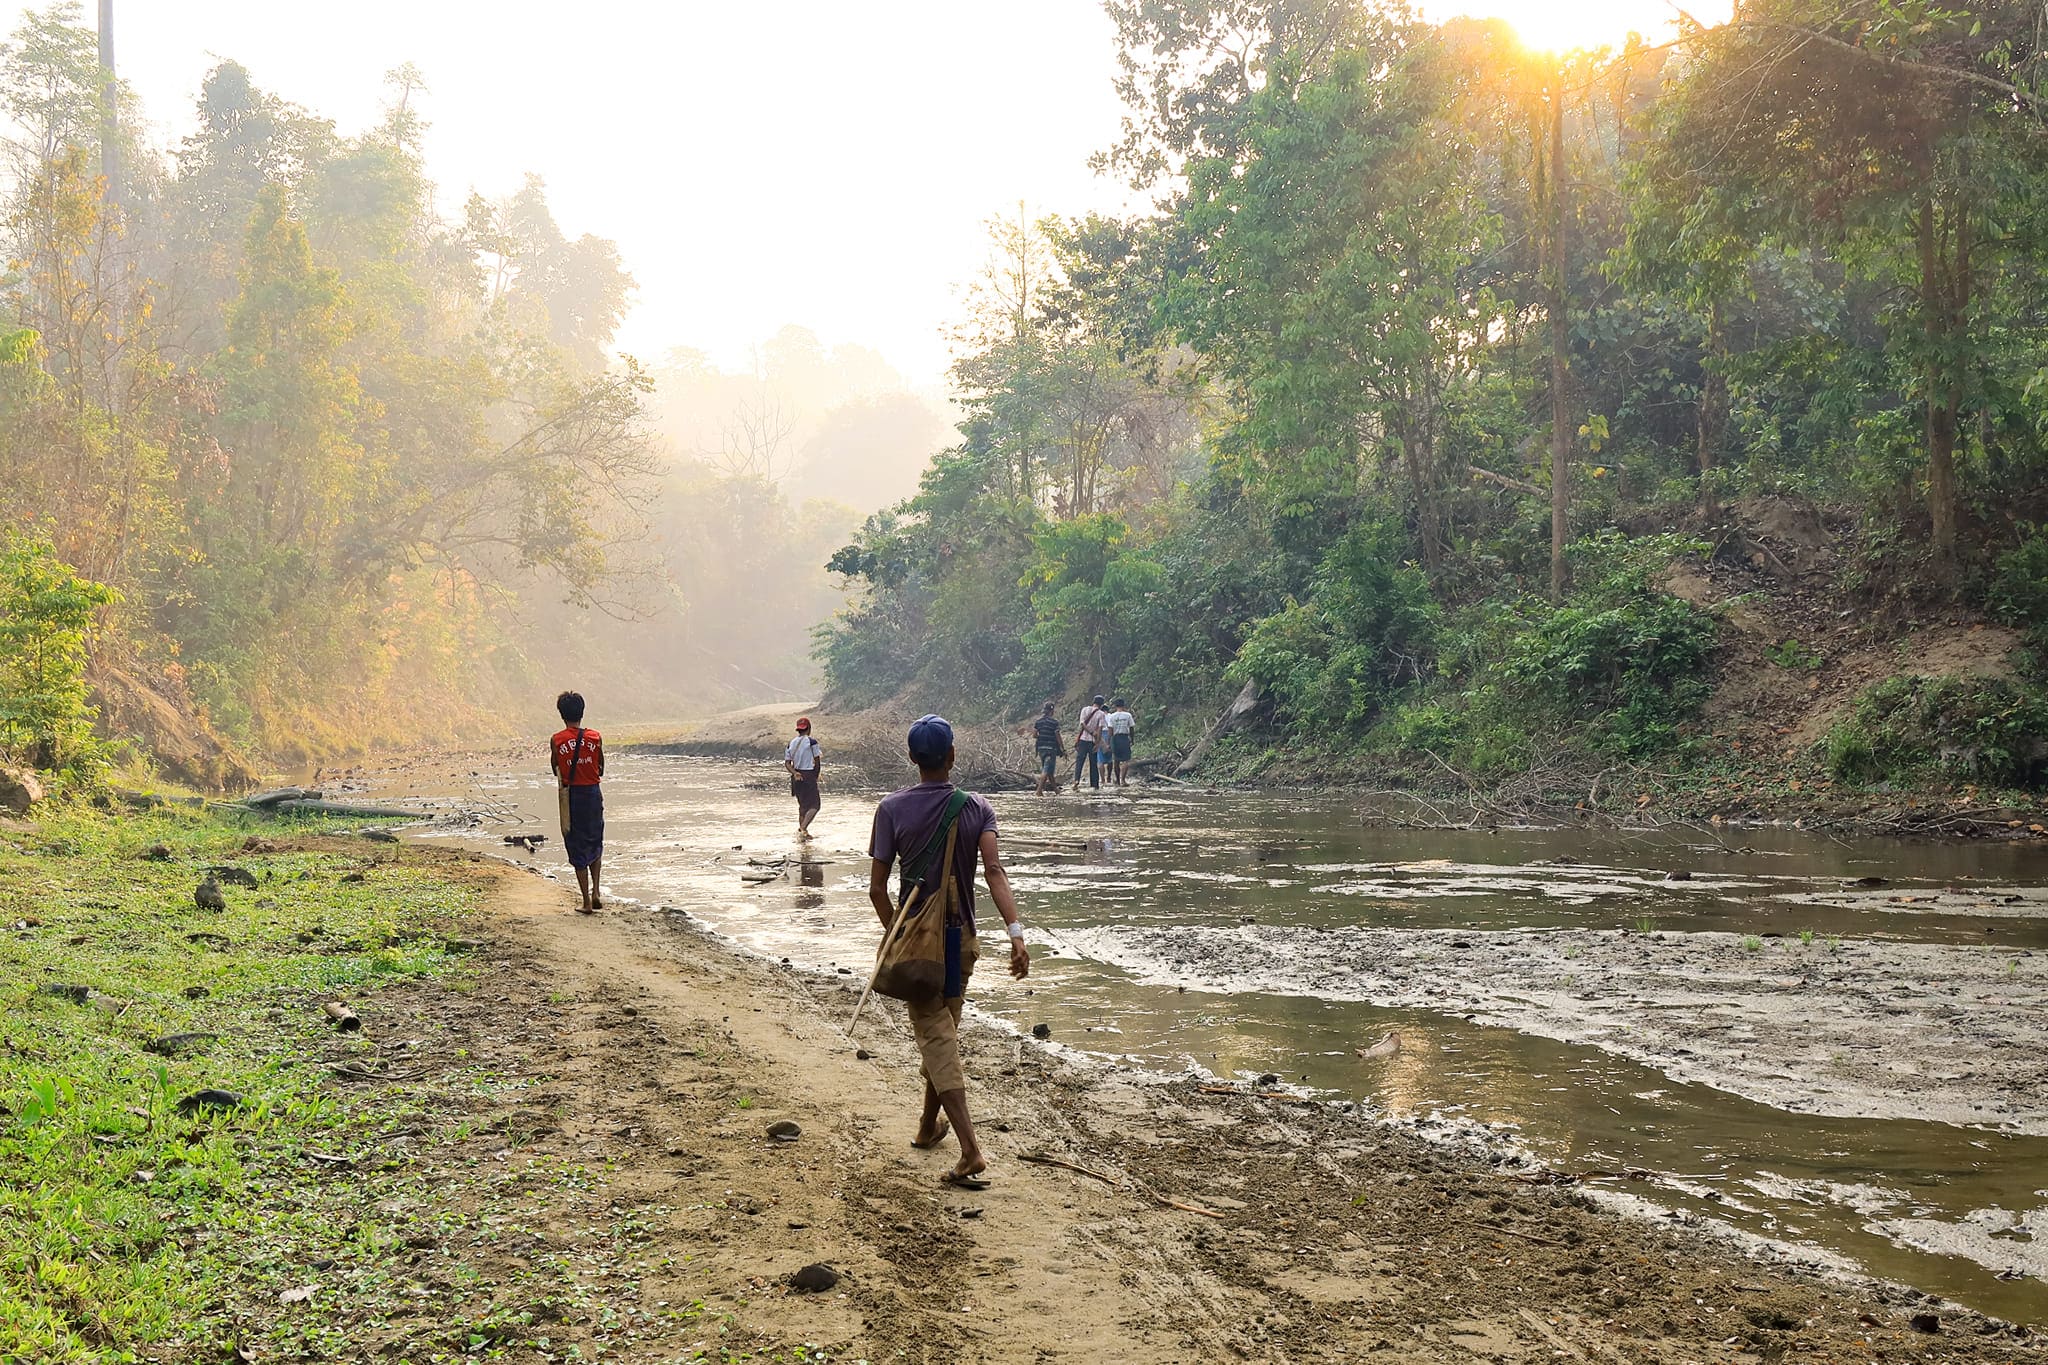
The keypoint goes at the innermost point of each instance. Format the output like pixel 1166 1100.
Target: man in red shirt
pixel 576 755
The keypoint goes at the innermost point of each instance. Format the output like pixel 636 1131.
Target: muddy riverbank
pixel 1587 970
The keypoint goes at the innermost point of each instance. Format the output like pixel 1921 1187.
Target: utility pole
pixel 110 111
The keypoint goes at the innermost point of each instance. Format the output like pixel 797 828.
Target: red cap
pixel 803 722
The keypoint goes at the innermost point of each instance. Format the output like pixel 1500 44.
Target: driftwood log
pixel 266 799
pixel 1232 716
pixel 310 806
pixel 341 1016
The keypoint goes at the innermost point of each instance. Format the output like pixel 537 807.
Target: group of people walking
pixel 929 835
pixel 1102 744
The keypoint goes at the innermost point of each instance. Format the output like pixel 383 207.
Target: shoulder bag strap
pixel 942 839
pixel 575 758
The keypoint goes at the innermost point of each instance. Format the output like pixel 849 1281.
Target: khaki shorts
pixel 936 1026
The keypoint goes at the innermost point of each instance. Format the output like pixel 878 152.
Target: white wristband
pixel 1016 930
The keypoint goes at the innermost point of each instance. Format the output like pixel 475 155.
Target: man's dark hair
pixel 570 704
pixel 1119 703
pixel 1048 708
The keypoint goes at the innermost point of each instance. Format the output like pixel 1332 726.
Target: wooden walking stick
pixel 881 953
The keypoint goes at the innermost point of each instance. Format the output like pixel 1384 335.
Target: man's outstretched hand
pixel 1020 961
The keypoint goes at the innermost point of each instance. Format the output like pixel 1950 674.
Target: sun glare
pixel 1565 25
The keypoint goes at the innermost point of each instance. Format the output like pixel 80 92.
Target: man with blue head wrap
pixel 906 823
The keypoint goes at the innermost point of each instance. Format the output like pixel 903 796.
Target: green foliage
pixel 1332 660
pixel 47 613
pixel 1792 654
pixel 1627 660
pixel 2018 592
pixel 1909 729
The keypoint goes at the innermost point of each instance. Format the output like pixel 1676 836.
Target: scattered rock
pixel 64 990
pixel 156 853
pixel 814 1279
pixel 1041 1031
pixel 172 1044
pixel 1269 1079
pixel 861 1054
pixel 232 876
pixel 1679 876
pixel 207 895
pixel 197 992
pixel 784 1131
pixel 19 790
pixel 1925 1322
pixel 209 1099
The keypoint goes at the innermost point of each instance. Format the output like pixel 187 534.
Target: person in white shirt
pixel 1122 726
pixel 805 761
pixel 1086 738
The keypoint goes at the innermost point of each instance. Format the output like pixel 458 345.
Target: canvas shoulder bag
pixel 911 964
pixel 562 791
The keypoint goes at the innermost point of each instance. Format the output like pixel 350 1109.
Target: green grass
pixel 127 1229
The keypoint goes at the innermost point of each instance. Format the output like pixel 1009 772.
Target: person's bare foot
pixel 967 1172
pixel 927 1139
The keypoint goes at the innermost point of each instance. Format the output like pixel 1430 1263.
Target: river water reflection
pixel 1957 1210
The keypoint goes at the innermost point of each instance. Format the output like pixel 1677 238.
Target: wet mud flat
pixel 1865 1029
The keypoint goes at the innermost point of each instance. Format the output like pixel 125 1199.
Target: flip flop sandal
pixel 965 1182
pixel 945 1127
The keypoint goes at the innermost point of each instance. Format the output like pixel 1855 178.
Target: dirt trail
pixel 655 1057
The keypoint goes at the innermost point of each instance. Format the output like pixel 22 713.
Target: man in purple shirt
pixel 905 823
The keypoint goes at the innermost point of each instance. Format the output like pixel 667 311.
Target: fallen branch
pixel 1041 1159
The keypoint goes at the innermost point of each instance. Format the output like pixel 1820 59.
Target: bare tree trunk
pixel 1560 365
pixel 110 116
pixel 1940 311
pixel 1713 407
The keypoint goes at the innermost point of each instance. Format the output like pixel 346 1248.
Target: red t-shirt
pixel 589 763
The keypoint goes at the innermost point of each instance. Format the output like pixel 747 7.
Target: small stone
pixel 814 1279
pixel 209 1099
pixel 1680 875
pixel 65 990
pixel 207 895
pixel 861 1054
pixel 1041 1031
pixel 157 853
pixel 784 1131
pixel 1925 1322
pixel 197 992
pixel 1269 1079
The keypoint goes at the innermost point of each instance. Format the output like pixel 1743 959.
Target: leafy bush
pixel 1631 659
pixel 1333 660
pixel 2018 592
pixel 1989 730
pixel 46 613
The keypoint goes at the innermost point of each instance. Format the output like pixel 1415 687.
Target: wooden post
pixel 342 1017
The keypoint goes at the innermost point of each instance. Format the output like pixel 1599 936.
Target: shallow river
pixel 1531 978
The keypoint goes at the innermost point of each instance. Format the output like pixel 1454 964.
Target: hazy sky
pixel 758 161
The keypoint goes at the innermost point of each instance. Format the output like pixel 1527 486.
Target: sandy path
pixel 661 1057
